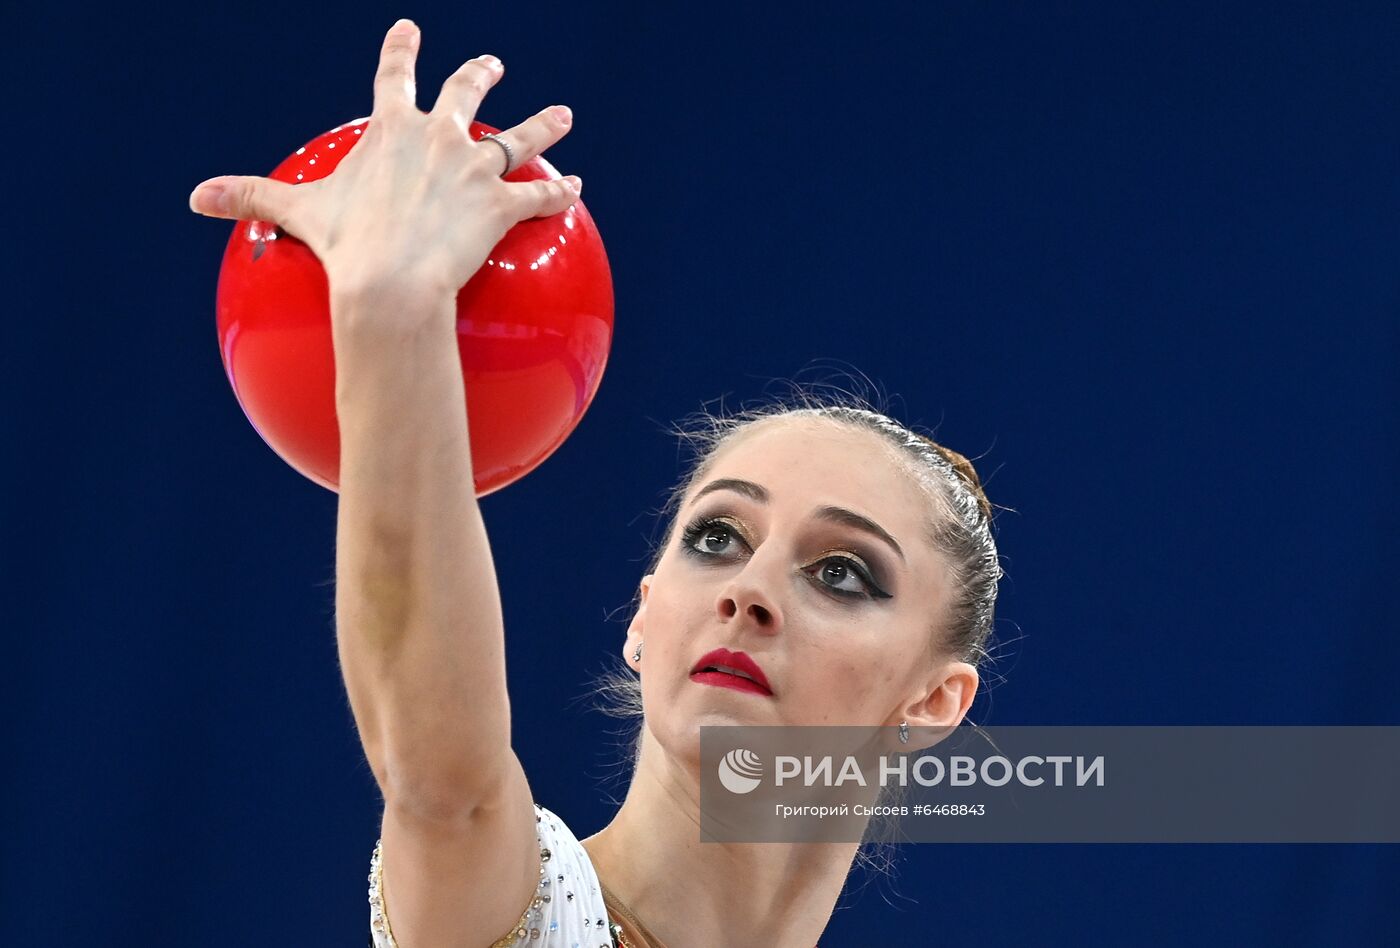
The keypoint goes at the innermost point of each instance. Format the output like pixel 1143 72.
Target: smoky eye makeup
pixel 716 536
pixel 713 535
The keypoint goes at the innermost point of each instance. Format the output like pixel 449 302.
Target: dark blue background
pixel 1139 259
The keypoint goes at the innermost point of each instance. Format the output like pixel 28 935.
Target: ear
pixel 942 707
pixel 635 631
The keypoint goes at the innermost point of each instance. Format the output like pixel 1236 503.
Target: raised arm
pixel 418 614
pixel 406 219
pixel 419 630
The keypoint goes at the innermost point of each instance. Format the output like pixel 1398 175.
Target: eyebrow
pixel 837 515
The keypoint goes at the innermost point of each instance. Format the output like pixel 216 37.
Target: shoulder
pixel 568 908
pixel 566 870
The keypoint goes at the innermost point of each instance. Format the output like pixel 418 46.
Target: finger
pixel 243 198
pixel 537 133
pixel 543 198
pixel 395 91
pixel 464 89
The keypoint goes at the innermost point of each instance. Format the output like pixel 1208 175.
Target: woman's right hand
pixel 416 205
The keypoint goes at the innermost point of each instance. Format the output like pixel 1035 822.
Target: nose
pixel 748 598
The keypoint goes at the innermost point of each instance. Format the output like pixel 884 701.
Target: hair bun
pixel 967 472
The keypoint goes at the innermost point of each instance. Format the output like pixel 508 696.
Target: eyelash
pixel 703 525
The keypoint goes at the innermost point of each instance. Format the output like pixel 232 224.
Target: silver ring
pixel 510 154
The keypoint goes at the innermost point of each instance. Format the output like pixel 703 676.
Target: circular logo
pixel 740 770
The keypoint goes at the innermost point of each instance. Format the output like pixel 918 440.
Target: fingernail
pixel 404 26
pixel 490 60
pixel 563 113
pixel 575 182
pixel 209 199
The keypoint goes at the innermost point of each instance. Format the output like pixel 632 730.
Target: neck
pixel 689 893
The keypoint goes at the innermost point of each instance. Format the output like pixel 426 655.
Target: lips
pixel 732 670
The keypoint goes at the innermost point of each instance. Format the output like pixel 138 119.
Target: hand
pixel 417 204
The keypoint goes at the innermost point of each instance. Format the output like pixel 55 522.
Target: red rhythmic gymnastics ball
pixel 534 327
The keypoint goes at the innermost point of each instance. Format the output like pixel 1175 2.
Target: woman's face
pixel 804 548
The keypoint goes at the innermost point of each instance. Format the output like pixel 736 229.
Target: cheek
pixel 839 686
pixel 670 613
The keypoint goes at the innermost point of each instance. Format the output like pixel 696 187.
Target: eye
pixel 713 538
pixel 710 537
pixel 844 577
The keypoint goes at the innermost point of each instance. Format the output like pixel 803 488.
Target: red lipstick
pixel 731 670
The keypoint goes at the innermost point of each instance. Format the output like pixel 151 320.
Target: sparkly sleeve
pixel 567 909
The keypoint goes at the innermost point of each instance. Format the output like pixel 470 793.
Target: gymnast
pixel 823 565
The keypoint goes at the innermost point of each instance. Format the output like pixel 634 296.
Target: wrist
pixel 390 305
pixel 403 283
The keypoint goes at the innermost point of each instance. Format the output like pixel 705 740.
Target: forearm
pixel 418 614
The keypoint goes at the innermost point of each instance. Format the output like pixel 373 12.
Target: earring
pixel 637 655
pixel 904 732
